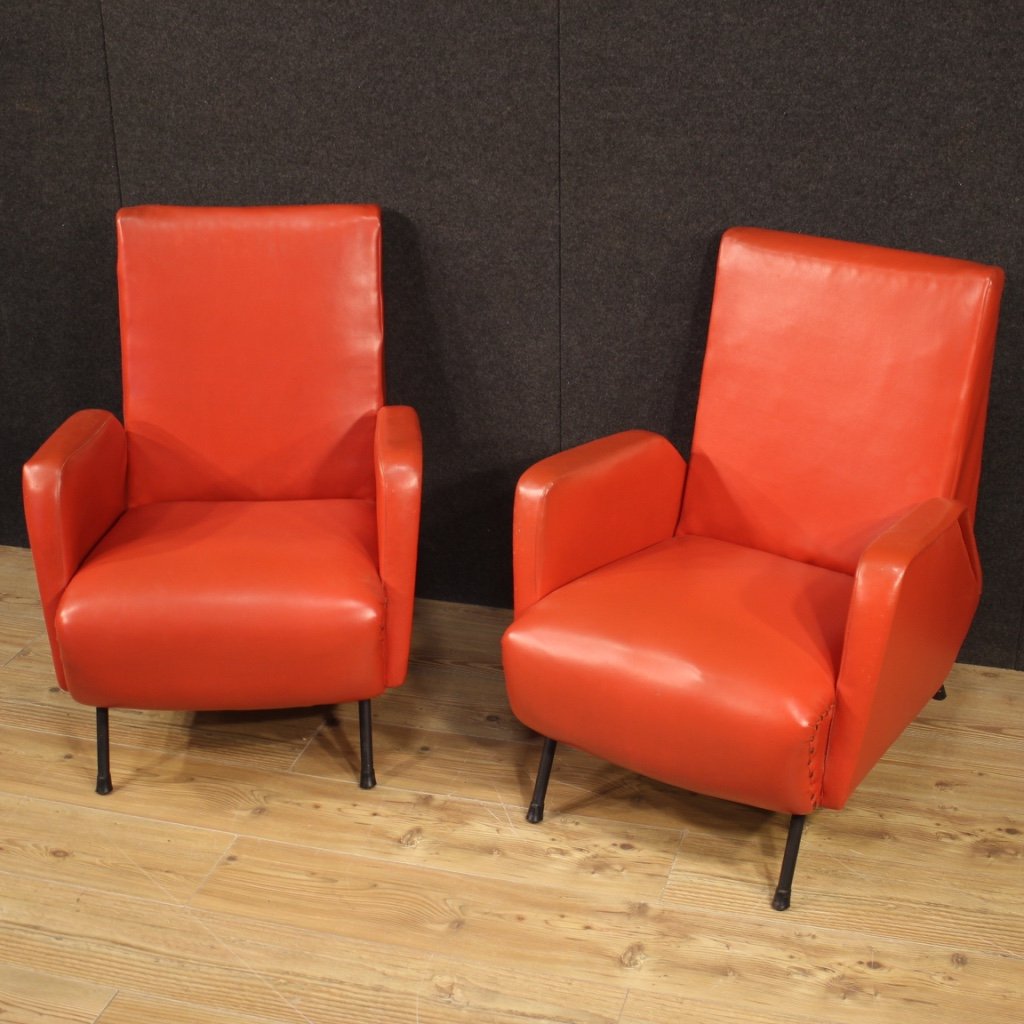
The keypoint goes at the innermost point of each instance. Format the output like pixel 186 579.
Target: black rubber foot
pixel 367 778
pixel 940 693
pixel 540 789
pixel 784 890
pixel 104 785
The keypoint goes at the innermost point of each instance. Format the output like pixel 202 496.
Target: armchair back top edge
pixel 252 350
pixel 842 385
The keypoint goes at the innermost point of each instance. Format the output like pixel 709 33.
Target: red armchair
pixel 761 625
pixel 247 539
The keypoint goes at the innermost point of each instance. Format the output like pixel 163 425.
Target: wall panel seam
pixel 110 105
pixel 558 221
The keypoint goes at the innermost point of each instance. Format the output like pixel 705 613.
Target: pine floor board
pixel 882 897
pixel 98 849
pixel 15 635
pixel 383 978
pixel 686 952
pixel 644 1007
pixel 33 997
pixel 393 825
pixel 227 963
pixel 142 945
pixel 131 1008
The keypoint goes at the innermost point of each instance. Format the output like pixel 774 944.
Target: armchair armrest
pixel 398 468
pixel 591 505
pixel 915 592
pixel 74 491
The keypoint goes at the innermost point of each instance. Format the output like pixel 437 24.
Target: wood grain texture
pixel 31 997
pixel 132 1008
pixel 238 875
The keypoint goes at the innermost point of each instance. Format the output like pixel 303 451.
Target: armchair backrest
pixel 251 351
pixel 842 385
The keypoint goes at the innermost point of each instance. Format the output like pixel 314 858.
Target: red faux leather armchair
pixel 247 539
pixel 762 624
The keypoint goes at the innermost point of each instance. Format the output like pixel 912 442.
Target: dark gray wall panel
pixel 58 351
pixel 446 114
pixel 554 176
pixel 897 124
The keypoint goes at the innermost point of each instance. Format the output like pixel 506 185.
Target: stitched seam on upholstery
pixel 815 784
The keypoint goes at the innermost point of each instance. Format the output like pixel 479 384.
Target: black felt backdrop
pixel 555 177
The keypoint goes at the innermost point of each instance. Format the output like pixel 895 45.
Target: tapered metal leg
pixel 103 783
pixel 547 757
pixel 784 890
pixel 367 779
pixel 940 693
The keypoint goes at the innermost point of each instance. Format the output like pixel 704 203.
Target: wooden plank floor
pixel 237 874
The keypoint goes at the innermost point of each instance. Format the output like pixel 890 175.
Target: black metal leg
pixel 940 693
pixel 784 890
pixel 103 783
pixel 367 779
pixel 547 756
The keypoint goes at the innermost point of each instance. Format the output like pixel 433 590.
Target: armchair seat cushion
pixel 699 662
pixel 235 604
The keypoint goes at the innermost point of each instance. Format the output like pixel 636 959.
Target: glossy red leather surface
pixel 701 663
pixel 823 573
pixel 398 460
pixel 843 384
pixel 915 594
pixel 591 505
pixel 217 605
pixel 251 342
pixel 74 491
pixel 250 540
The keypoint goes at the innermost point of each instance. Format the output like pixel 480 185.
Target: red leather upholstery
pixel 74 489
pixel 248 538
pixel 764 633
pixel 699 662
pixel 252 343
pixel 852 389
pixel 635 479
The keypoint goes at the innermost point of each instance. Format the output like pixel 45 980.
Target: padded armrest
pixel 915 593
pixel 591 505
pixel 398 465
pixel 74 491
